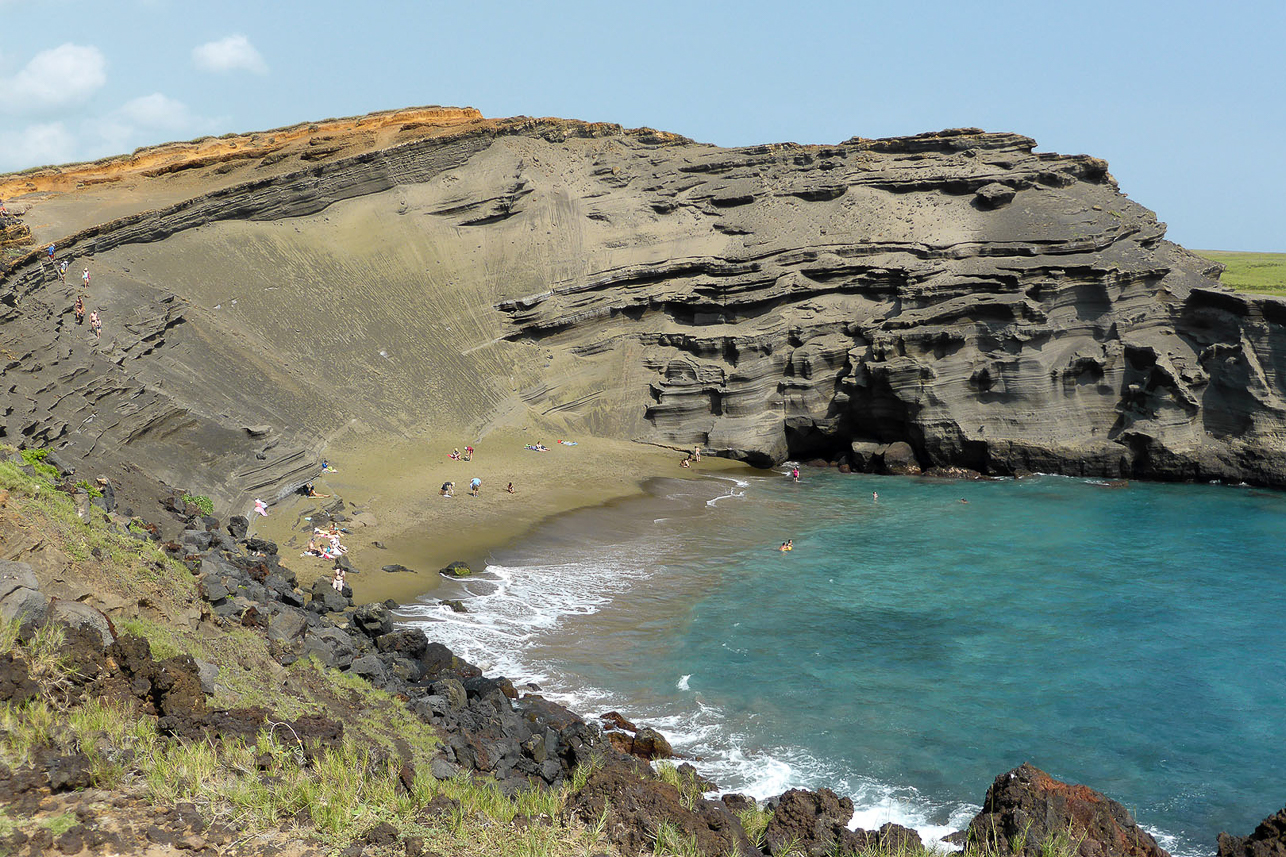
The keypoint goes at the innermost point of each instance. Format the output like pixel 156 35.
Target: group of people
pixel 60 268
pixel 693 457
pixel 475 488
pixel 468 454
pixel 325 543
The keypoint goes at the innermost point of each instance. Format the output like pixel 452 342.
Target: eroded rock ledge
pixel 992 307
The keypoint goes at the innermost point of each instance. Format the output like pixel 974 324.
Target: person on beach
pixel 510 489
pixel 468 453
pixel 96 324
pixel 338 580
pixel 326 468
pixel 447 488
pixel 80 309
pixel 696 454
pixel 475 486
pixel 261 507
pixel 84 278
pixel 455 455
pixel 687 462
pixel 310 491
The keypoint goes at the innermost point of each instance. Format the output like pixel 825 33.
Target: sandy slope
pixel 398 484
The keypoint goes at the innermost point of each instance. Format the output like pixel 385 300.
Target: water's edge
pixel 540 606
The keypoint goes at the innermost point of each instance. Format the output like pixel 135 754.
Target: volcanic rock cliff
pixel 993 307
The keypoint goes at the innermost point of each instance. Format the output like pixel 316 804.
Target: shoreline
pixel 394 485
pixel 518 586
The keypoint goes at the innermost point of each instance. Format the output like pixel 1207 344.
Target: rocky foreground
pixel 478 728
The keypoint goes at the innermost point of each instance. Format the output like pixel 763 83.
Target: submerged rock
pixel 456 569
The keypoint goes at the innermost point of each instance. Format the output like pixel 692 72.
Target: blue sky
pixel 1183 98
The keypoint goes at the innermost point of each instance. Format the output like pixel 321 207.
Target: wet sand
pixel 394 484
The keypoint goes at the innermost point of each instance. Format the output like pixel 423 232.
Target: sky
pixel 1183 98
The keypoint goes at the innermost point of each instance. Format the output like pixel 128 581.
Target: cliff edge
pixel 994 308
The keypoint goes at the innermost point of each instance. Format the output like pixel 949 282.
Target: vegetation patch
pixel 202 502
pixel 1264 273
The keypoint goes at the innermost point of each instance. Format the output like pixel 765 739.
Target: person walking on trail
pixel 80 309
pixel 475 486
pixel 84 278
pixel 96 324
pixel 51 252
pixel 62 270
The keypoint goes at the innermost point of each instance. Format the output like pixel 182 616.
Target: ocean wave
pixel 737 490
pixel 513 607
pixel 535 622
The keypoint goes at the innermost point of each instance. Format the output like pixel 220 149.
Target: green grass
pixel 342 791
pixel 59 824
pixel 691 791
pixel 1251 272
pixel 202 502
pixel 338 795
pixel 128 563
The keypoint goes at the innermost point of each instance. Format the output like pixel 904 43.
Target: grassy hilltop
pixel 1251 272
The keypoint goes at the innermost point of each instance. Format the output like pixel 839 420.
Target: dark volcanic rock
pixel 16 685
pixel 812 822
pixel 637 805
pixel 456 569
pixel 1267 840
pixel 1026 810
pixel 373 620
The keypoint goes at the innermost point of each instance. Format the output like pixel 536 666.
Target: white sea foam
pixel 1173 844
pixel 737 490
pixel 518 606
pixel 515 608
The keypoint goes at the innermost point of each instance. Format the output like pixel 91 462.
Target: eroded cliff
pixel 995 308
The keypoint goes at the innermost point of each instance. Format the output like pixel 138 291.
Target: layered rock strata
pixel 991 307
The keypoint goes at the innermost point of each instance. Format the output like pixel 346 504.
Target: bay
pixel 911 648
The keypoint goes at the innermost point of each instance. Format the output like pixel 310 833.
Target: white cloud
pixel 160 112
pixel 36 145
pixel 57 78
pixel 231 54
pixel 145 121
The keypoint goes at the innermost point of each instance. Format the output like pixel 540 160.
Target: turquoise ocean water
pixel 910 650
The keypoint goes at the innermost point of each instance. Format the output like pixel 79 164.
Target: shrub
pixel 83 484
pixel 202 502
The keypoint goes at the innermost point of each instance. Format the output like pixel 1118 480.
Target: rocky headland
pixel 992 308
pixel 952 303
